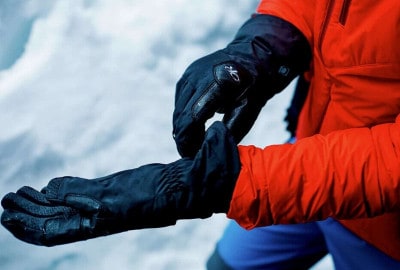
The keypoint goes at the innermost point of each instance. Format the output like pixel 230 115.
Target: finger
pixel 240 119
pixel 33 195
pixel 79 193
pixel 64 230
pixel 24 227
pixel 189 139
pixel 189 122
pixel 189 117
pixel 183 94
pixel 43 231
pixel 18 203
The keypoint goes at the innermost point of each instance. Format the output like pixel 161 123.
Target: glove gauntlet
pixel 71 209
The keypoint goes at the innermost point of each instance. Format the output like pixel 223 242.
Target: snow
pixel 87 89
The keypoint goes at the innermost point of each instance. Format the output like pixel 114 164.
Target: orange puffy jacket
pixel 346 163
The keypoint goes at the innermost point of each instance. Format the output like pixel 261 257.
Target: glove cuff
pixel 214 171
pixel 273 49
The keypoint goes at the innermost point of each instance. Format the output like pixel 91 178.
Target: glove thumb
pixel 69 191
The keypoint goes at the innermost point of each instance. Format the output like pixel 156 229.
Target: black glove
pixel 71 209
pixel 265 56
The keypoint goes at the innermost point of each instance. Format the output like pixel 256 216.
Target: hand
pixel 72 209
pixel 31 217
pixel 207 88
pixel 265 56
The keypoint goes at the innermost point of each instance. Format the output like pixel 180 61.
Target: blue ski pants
pixel 297 247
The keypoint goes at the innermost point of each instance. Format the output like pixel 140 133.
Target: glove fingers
pixel 190 114
pixel 189 139
pixel 189 124
pixel 24 226
pixel 33 195
pixel 241 118
pixel 13 201
pixel 43 231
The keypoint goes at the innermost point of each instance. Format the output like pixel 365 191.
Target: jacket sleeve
pixel 346 174
pixel 297 12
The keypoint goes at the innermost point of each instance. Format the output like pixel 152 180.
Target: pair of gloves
pixel 264 57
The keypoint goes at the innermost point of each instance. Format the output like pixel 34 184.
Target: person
pixel 240 249
pixel 343 170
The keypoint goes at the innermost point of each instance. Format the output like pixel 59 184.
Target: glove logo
pixel 233 72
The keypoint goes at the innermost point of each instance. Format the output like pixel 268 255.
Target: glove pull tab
pixel 232 77
pixel 231 83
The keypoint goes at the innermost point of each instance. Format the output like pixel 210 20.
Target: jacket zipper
pixel 324 25
pixel 321 36
pixel 344 12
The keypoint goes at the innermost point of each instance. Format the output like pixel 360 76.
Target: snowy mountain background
pixel 87 89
